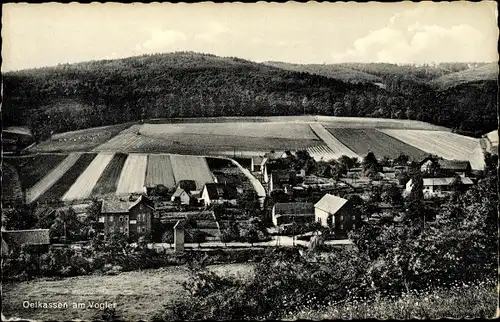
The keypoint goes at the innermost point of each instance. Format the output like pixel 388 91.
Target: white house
pixel 333 211
pixel 182 196
pixel 219 193
pixel 438 186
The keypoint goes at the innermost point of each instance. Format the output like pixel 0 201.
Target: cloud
pixel 405 40
pixel 213 31
pixel 162 40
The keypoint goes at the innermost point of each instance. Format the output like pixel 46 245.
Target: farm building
pixel 39 238
pixel 275 155
pixel 336 212
pixel 219 193
pixel 438 186
pixel 181 196
pixel 448 167
pixel 286 213
pixel 131 217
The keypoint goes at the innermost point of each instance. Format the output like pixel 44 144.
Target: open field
pixel 52 177
pixel 251 129
pixel 382 145
pixel 332 142
pixel 11 186
pixel 59 188
pixel 81 140
pixel 202 144
pixel 160 171
pixel 132 175
pixel 379 123
pixel 108 181
pixel 188 167
pixel 444 144
pixel 138 295
pixel 82 187
pixel 33 168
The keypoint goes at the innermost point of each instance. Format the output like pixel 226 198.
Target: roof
pixel 493 137
pixel 27 237
pixel 178 192
pixel 282 175
pixel 453 164
pixel 330 203
pixel 118 205
pixel 17 130
pixel 274 155
pixel 294 208
pixel 220 190
pixel 258 159
pixel 444 181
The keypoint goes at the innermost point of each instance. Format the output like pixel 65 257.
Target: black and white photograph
pixel 249 161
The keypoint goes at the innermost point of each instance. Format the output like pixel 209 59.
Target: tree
pixel 402 160
pixel 392 194
pixel 168 237
pixel 199 237
pixel 251 235
pixel 370 165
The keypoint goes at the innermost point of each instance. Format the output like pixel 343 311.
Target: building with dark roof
pixel 219 193
pixel 129 216
pixel 181 196
pixel 448 167
pixel 285 213
pixel 439 186
pixel 32 237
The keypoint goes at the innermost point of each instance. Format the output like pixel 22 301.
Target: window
pixel 126 218
pixel 121 229
pixel 111 229
pixel 111 218
pixel 143 230
pixel 121 218
pixel 126 230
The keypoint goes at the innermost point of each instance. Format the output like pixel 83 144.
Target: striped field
pixel 82 188
pixel 187 167
pixel 160 171
pixel 108 181
pixel 133 174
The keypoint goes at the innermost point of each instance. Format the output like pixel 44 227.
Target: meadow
pixel 108 181
pixel 32 169
pixel 137 294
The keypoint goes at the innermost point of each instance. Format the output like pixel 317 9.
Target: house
pixel 438 186
pixel 219 193
pixel 15 239
pixel 131 217
pixel 285 213
pixel 336 212
pixel 273 155
pixel 448 167
pixel 257 164
pixel 181 196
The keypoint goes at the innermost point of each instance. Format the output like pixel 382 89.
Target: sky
pixel 38 35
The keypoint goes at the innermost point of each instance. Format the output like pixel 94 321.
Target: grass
pixel 362 141
pixel 108 181
pixel 69 177
pixel 138 294
pixel 465 301
pixel 33 168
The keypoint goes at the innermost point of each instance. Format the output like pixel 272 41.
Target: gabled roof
pixel 445 181
pixel 274 155
pixel 27 237
pixel 330 203
pixel 178 192
pixel 119 205
pixel 293 208
pixel 220 190
pixel 454 164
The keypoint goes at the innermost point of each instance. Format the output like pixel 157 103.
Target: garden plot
pixel 132 175
pixel 187 167
pixel 382 145
pixel 321 153
pixel 83 186
pixel 444 144
pixel 160 171
pixel 51 178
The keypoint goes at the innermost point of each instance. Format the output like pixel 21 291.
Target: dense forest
pixel 184 84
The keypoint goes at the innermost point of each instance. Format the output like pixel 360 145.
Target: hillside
pixel 485 72
pixel 98 93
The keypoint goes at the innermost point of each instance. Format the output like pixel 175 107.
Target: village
pixel 304 198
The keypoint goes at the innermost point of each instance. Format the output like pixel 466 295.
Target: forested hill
pixel 69 97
